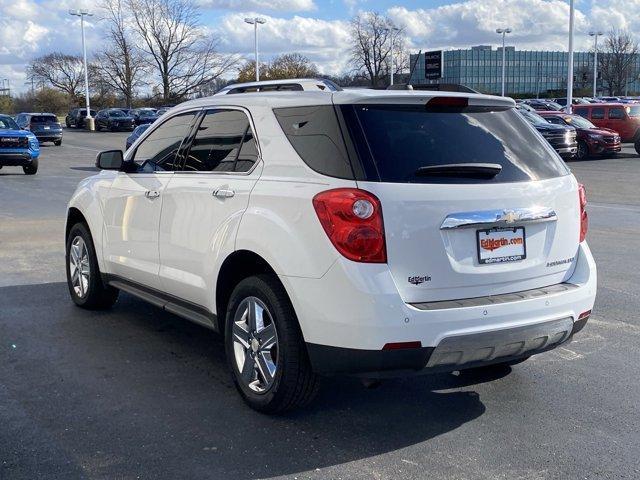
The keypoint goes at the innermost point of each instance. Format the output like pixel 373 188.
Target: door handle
pixel 224 193
pixel 152 194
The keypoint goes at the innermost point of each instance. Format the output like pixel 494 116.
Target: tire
pixel 66 122
pixel 31 169
pixel 293 384
pixel 58 143
pixel 583 150
pixel 86 291
pixel 637 146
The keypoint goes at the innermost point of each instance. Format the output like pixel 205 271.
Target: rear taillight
pixel 352 219
pixel 584 219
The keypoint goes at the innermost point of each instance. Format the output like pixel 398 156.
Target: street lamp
pixel 570 59
pixel 595 61
pixel 82 14
pixel 503 32
pixel 255 21
pixel 391 31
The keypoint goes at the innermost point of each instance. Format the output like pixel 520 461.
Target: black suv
pixel 45 126
pixel 144 115
pixel 562 138
pixel 114 119
pixel 75 118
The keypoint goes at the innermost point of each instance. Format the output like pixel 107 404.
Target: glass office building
pixel 527 72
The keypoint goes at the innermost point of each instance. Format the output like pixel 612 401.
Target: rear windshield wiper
pixel 466 170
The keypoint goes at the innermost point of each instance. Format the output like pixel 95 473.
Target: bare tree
pixel 371 39
pixel 618 62
pixel 119 65
pixel 182 54
pixel 61 71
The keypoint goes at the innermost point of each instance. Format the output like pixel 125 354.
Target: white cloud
pixel 536 24
pixel 323 41
pixel 260 5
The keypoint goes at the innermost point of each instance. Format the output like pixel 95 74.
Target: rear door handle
pixel 224 193
pixel 152 194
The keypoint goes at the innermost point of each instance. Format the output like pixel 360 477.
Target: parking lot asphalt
pixel 135 392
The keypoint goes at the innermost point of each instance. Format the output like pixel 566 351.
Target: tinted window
pixel 583 112
pixel 398 140
pixel 616 113
pixel 223 143
pixel 8 123
pixel 555 120
pixel 159 150
pixel 315 134
pixel 597 113
pixel 44 119
pixel 116 113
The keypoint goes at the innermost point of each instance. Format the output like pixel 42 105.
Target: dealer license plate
pixel 499 245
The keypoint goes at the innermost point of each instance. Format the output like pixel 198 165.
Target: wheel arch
pixel 236 267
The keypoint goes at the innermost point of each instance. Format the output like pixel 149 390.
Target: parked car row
pixel 113 118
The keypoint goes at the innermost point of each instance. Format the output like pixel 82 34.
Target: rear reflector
pixel 584 219
pixel 401 345
pixel 584 315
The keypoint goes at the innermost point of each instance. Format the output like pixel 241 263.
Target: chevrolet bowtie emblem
pixel 509 216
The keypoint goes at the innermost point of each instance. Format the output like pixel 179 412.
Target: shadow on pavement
pixel 137 391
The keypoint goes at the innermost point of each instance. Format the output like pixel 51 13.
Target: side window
pixel 616 113
pixel 160 149
pixel 583 112
pixel 223 143
pixel 597 113
pixel 314 133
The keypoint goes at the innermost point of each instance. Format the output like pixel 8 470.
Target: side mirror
pixel 110 160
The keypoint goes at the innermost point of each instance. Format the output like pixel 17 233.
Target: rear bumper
pixel 48 137
pixel 364 312
pixel 16 159
pixel 452 353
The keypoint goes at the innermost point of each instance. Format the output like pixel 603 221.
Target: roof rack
pixel 285 85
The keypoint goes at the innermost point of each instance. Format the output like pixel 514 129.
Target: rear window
pixel 398 140
pixel 390 143
pixel 44 119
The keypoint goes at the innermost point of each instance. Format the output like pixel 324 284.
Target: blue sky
pixel 319 28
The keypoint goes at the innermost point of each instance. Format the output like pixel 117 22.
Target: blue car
pixel 18 147
pixel 135 134
pixel 45 126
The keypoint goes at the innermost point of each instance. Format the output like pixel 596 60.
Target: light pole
pixel 503 32
pixel 82 14
pixel 595 61
pixel 255 21
pixel 391 31
pixel 570 58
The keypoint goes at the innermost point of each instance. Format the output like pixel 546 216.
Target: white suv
pixel 370 233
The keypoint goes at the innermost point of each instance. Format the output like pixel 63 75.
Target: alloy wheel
pixel 79 267
pixel 255 344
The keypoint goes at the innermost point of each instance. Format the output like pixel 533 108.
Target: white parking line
pixel 615 207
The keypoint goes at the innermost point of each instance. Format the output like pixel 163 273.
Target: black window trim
pixel 186 146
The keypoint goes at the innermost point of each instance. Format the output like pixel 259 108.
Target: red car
pixel 621 117
pixel 592 140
